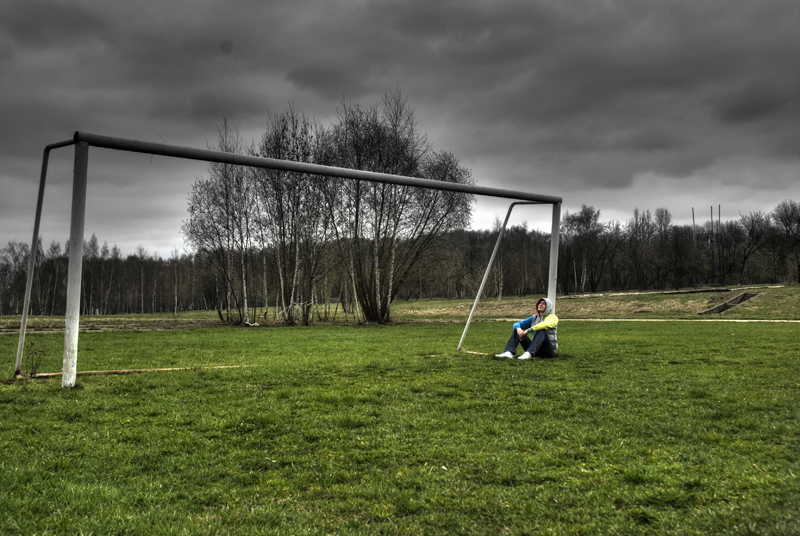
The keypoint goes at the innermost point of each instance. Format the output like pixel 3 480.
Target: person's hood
pixel 549 309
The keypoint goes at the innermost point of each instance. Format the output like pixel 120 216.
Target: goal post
pixel 34 248
pixel 83 140
pixel 552 275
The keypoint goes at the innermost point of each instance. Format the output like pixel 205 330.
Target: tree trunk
pixel 353 280
pixel 243 263
pixel 294 276
pixel 228 286
pixel 266 299
pixel 388 315
pixel 141 276
pixel 282 283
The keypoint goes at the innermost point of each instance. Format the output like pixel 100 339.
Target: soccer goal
pixel 83 140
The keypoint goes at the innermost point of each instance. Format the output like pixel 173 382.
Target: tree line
pixel 649 252
pixel 645 252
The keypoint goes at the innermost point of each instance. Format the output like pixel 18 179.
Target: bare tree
pixel 640 232
pixel 221 216
pixel 293 221
pixel 141 256
pixel 756 226
pixel 590 246
pixel 787 220
pixel 382 229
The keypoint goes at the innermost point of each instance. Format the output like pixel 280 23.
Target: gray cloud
pixel 327 82
pixel 761 102
pixel 46 24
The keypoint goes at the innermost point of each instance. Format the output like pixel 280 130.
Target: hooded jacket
pixel 549 323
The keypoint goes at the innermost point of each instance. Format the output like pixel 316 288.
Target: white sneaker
pixel 506 354
pixel 526 355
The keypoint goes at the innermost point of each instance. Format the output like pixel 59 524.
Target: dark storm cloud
pixel 556 63
pixel 44 24
pixel 572 97
pixel 207 104
pixel 328 82
pixel 226 46
pixel 761 102
pixel 649 76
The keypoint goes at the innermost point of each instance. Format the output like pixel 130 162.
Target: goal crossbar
pixel 83 140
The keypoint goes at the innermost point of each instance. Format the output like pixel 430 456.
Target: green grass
pixel 636 428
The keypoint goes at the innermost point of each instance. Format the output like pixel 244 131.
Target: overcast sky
pixel 614 104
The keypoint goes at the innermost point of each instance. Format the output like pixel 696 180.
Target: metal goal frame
pixel 83 140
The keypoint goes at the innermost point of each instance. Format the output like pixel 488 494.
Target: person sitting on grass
pixel 544 324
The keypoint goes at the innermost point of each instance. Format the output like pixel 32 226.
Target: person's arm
pixel 523 325
pixel 550 321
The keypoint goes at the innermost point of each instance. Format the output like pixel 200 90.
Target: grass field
pixel 636 428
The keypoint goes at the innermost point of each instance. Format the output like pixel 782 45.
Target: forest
pixel 268 245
